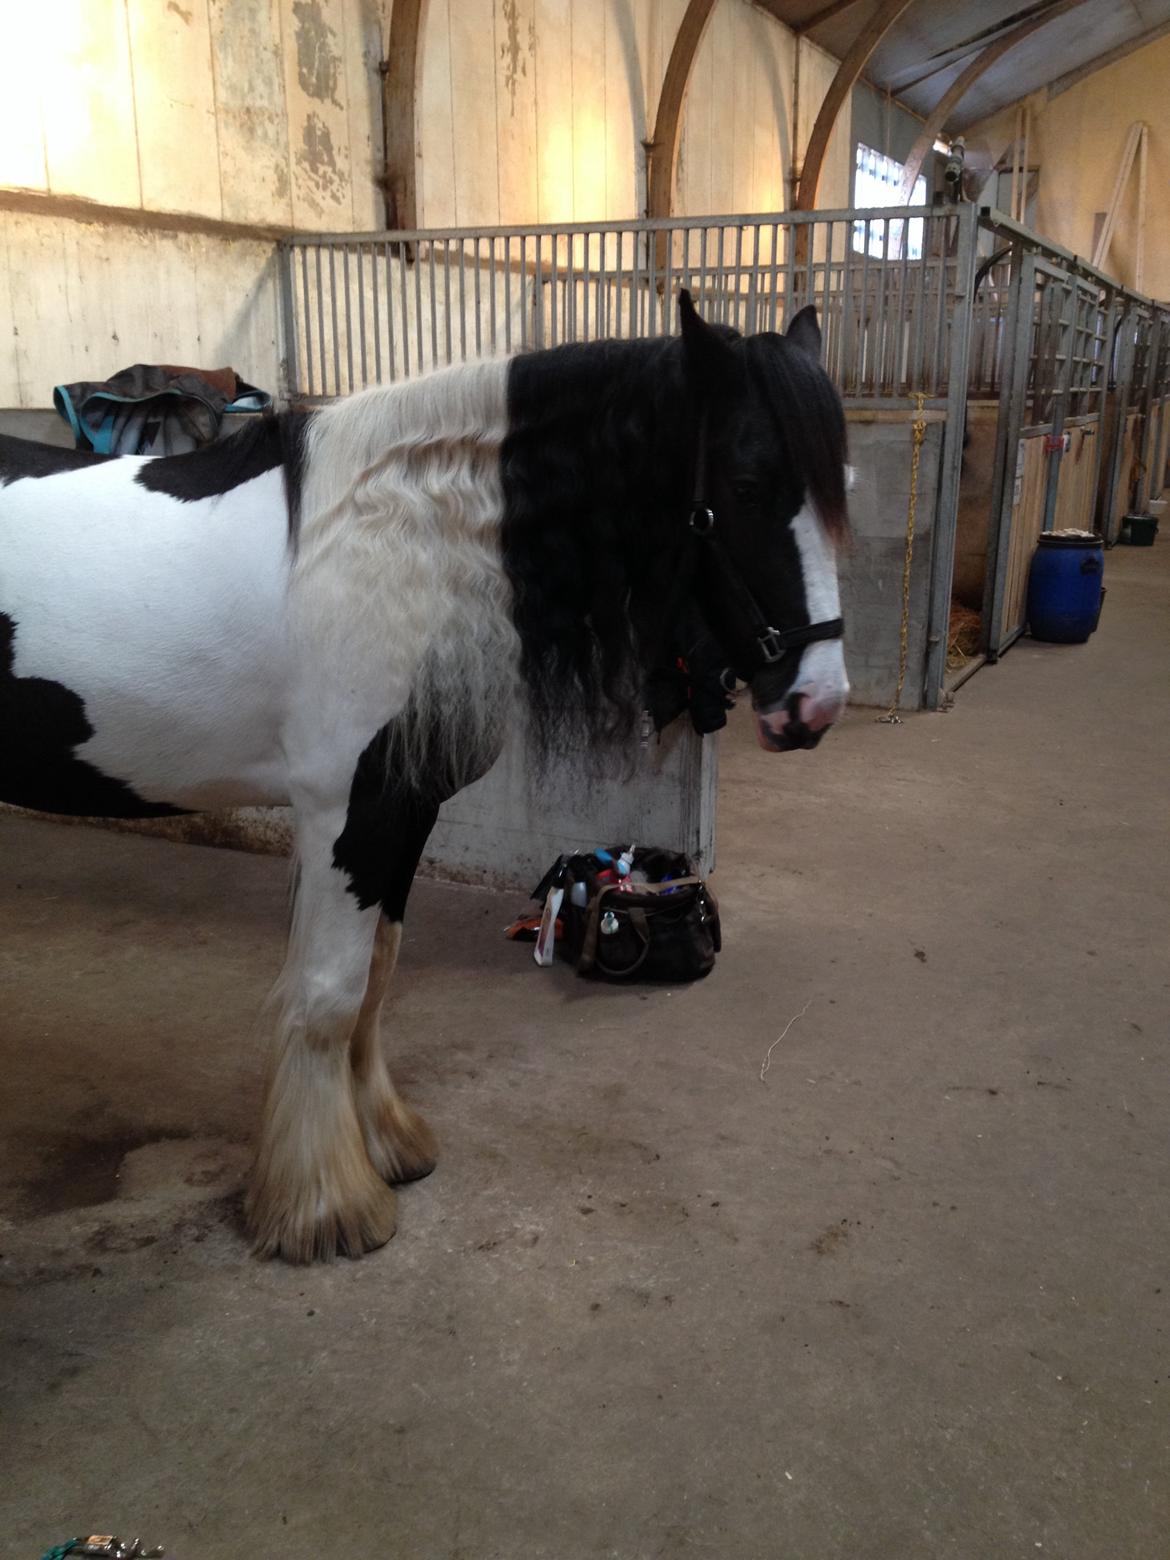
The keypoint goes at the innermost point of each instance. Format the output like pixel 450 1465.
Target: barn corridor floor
pixel 906 1297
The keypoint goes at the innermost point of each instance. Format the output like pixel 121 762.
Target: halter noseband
pixel 772 644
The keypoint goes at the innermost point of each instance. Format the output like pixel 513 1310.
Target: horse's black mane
pixel 261 445
pixel 587 440
pixel 597 472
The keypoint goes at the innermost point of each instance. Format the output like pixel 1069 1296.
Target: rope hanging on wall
pixel 891 717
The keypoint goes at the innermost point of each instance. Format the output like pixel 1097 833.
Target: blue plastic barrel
pixel 1064 586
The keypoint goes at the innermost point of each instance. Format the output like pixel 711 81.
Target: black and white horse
pixel 341 611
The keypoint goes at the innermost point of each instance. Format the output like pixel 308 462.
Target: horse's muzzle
pixel 789 741
pixel 800 722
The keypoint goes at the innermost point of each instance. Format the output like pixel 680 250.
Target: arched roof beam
pixel 668 120
pixel 826 13
pixel 903 80
pixel 962 84
pixel 872 32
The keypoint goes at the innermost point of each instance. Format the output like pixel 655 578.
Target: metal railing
pixel 372 308
pixel 1077 346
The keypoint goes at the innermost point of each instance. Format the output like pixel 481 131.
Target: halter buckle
pixel 702 520
pixel 772 644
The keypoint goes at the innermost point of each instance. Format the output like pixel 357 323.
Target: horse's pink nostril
pixel 818 713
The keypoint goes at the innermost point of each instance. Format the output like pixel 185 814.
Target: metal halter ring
pixel 702 520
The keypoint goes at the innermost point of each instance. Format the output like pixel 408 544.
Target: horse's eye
pixel 745 490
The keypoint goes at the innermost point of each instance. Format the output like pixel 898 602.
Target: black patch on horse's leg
pixel 41 723
pixel 387 824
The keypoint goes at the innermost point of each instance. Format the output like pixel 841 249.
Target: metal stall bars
pixel 1078 351
pixel 364 309
pixel 1161 454
pixel 1128 364
pixel 1150 375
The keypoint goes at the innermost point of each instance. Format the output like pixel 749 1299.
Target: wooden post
pixel 1136 136
pixel 668 120
pixel 399 95
pixel 1140 236
pixel 1016 161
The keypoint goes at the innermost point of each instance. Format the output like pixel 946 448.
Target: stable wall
pixel 258 112
pixel 82 298
pixel 151 154
pixel 1077 138
pixel 535 111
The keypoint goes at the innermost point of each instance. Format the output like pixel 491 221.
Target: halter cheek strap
pixel 771 644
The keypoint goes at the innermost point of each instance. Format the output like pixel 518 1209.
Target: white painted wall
pixel 262 112
pixel 82 299
pixel 536 110
pixel 266 114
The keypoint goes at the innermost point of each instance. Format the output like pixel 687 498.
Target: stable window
pixel 876 182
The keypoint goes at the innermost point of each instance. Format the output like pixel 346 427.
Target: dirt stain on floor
pixel 81 1170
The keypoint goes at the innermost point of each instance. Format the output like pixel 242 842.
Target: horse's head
pixel 769 475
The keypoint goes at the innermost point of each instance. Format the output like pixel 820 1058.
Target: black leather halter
pixel 771 644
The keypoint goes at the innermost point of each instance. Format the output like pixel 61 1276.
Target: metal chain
pixel 891 717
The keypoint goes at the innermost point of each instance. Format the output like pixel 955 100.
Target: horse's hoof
pixel 361 1224
pixel 402 1146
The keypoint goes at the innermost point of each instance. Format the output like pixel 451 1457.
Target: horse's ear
pixel 708 354
pixel 804 332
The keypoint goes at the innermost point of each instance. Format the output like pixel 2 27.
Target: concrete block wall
pixel 880 451
pixel 504 831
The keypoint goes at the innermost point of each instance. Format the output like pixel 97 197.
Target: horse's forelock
pixel 810 422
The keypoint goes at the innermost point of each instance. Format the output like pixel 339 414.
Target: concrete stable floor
pixel 906 1297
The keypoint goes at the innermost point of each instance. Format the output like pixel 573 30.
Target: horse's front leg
pixel 314 1192
pixel 400 1144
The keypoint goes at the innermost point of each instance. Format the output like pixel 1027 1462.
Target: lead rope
pixel 891 717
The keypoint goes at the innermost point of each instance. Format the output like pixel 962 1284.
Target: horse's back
pixel 142 635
